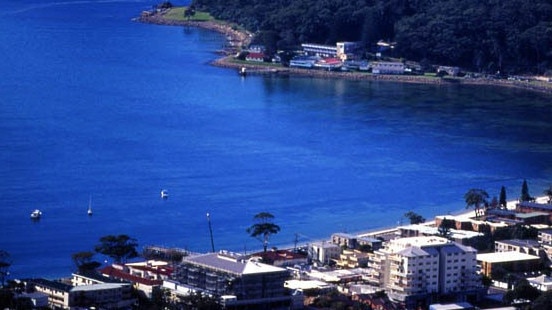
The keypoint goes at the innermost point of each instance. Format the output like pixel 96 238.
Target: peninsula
pixel 238 38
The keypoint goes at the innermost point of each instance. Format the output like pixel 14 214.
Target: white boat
pixel 36 214
pixel 164 194
pixel 89 212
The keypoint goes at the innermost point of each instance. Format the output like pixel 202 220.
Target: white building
pixel 543 283
pixel 410 269
pixel 324 252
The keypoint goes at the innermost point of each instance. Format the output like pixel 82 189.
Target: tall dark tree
pixel 542 302
pixel 525 192
pixel 548 193
pixel 502 198
pixel 5 263
pixel 83 261
pixel 414 217
pixel 263 228
pixel 476 198
pixel 445 227
pixel 120 248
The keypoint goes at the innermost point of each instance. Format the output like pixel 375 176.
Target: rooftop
pixel 501 257
pixel 520 242
pixel 231 263
pixel 402 243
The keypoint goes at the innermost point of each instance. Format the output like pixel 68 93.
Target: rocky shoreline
pixel 241 38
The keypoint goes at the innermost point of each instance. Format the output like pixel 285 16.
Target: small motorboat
pixel 36 214
pixel 164 194
pixel 89 212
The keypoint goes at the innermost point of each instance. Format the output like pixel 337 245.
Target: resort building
pixel 341 50
pixel 411 270
pixel 241 283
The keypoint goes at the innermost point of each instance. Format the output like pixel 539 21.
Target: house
pixel 242 283
pixel 452 71
pixel 255 56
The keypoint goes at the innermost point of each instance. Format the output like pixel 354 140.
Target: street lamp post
pixel 211 232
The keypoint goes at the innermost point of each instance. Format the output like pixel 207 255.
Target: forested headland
pixel 507 36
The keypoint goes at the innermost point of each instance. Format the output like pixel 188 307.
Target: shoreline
pixel 241 38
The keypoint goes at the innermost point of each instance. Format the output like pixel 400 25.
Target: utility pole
pixel 211 232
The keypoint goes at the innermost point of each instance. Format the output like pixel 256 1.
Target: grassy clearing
pixel 177 13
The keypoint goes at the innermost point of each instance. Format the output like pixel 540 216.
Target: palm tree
pixel 263 228
pixel 475 198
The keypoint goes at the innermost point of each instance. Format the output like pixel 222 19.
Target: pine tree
pixel 502 198
pixel 525 192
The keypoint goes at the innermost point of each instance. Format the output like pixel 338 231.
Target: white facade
pixel 424 265
pixel 324 252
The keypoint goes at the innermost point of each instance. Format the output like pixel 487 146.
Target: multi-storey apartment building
pixel 66 296
pixel 411 270
pixel 242 283
pixel 527 246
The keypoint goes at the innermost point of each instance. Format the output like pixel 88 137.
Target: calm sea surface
pixel 95 105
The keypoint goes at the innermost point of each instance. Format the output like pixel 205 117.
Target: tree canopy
pixel 414 217
pixel 83 261
pixel 5 263
pixel 476 197
pixel 263 228
pixel 120 248
pixel 485 35
pixel 525 196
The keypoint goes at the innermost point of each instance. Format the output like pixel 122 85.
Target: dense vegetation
pixel 484 35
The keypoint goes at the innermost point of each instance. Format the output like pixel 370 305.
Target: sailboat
pixel 89 212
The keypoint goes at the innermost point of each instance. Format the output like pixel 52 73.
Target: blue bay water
pixel 95 105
